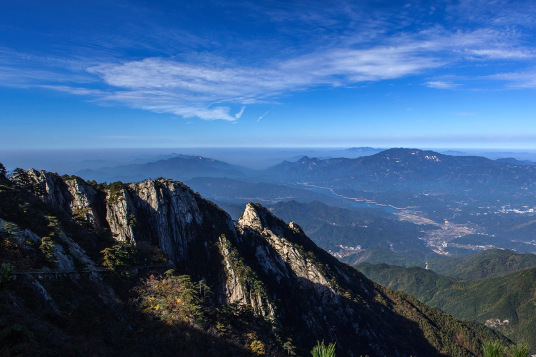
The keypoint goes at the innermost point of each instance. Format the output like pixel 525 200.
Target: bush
pixel 493 349
pixel 47 248
pixel 173 299
pixel 256 346
pixel 118 256
pixel 6 273
pixel 518 351
pixel 321 350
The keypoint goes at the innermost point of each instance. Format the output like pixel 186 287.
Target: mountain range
pixel 408 169
pixel 83 273
pixel 487 203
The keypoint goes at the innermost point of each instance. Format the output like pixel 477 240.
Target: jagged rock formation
pixel 259 261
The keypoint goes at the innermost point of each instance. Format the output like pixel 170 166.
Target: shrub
pixel 493 349
pixel 6 273
pixel 173 298
pixel 47 248
pixel 321 350
pixel 289 347
pixel 118 256
pixel 518 351
pixel 256 346
pixel 115 190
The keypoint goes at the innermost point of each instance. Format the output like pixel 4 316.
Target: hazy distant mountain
pixel 410 170
pixel 511 160
pixel 519 155
pixel 455 153
pixel 363 151
pixel 181 167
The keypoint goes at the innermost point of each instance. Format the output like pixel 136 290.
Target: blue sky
pixel 113 74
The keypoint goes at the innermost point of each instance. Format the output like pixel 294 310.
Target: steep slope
pixel 506 303
pixel 334 301
pixel 271 288
pixel 65 229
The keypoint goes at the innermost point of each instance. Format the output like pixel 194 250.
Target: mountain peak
pixel 307 160
pixel 403 154
pixel 252 216
pixel 258 217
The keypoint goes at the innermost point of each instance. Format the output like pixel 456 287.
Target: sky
pixel 149 74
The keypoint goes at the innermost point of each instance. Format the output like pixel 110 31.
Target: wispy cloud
pixel 501 53
pixel 262 116
pixel 524 79
pixel 239 114
pixel 440 84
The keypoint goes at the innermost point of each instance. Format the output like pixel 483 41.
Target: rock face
pixel 262 262
pixel 162 212
pixel 74 195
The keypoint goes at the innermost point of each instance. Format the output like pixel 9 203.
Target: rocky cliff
pixel 260 262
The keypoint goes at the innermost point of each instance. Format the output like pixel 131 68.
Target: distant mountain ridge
pixel 178 167
pixel 511 160
pixel 397 164
pixel 397 168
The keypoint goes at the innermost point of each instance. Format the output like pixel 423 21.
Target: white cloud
pixel 239 114
pixel 500 53
pixel 168 86
pixel 440 84
pixel 262 116
pixel 525 79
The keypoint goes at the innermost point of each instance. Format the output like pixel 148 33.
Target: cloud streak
pixel 440 85
pixel 524 79
pixel 239 114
